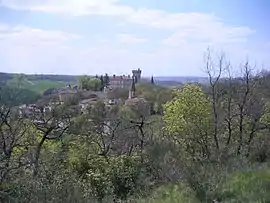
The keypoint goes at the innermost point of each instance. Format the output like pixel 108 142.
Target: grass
pixel 38 86
pixel 248 186
pixel 252 186
pixel 174 193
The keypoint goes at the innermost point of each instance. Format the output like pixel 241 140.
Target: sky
pixel 163 38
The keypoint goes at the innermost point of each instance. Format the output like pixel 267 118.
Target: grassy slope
pixel 240 187
pixel 38 86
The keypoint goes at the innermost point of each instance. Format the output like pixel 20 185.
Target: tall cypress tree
pixel 102 82
pixel 106 80
pixel 152 80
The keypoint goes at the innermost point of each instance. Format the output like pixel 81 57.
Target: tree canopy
pixel 89 83
pixel 188 116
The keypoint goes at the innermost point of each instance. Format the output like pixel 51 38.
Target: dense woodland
pixel 196 143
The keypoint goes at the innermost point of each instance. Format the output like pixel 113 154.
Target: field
pixel 38 86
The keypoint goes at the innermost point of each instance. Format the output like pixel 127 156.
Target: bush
pixel 174 193
pixel 115 176
pixel 246 186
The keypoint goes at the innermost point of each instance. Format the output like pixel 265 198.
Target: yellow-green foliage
pixel 189 110
pixel 28 138
pixel 266 116
pixel 188 115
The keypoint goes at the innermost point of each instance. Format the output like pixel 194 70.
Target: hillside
pixel 37 83
pixel 40 82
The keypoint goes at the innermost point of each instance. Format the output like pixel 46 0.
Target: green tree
pixel 152 80
pixel 102 82
pixel 88 83
pixel 106 80
pixel 188 119
pixel 155 95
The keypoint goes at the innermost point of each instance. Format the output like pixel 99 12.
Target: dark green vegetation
pixel 197 143
pixel 14 96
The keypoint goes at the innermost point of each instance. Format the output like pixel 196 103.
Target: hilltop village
pixel 81 98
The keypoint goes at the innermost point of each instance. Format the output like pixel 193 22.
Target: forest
pixel 194 143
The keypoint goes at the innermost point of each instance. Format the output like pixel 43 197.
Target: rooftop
pixel 120 78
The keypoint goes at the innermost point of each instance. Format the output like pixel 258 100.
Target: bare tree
pixel 52 125
pixel 13 132
pixel 214 73
pixel 244 95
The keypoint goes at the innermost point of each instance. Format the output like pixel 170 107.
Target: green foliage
pixel 124 175
pixel 245 186
pixel 38 86
pixel 106 80
pixel 13 96
pixel 173 193
pixel 123 153
pixel 266 116
pixel 189 112
pixel 188 119
pixel 115 176
pixel 155 95
pixel 88 83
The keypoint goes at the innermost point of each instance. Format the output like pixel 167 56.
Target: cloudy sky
pixel 114 36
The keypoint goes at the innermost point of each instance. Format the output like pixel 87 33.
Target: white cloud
pixel 31 50
pixel 73 7
pixel 130 39
pixel 215 33
pixel 51 51
pixel 22 35
pixel 193 27
pixel 148 17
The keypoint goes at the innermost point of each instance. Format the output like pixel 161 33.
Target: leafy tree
pixel 88 83
pixel 155 95
pixel 188 119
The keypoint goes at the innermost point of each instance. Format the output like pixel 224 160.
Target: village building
pixel 124 81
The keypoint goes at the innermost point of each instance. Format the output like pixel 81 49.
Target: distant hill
pixel 41 82
pixel 182 79
pixel 38 82
pixel 175 81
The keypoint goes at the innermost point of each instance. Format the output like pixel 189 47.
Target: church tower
pixel 132 90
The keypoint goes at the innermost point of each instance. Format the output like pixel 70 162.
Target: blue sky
pixel 163 38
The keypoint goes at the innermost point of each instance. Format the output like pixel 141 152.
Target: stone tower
pixel 137 74
pixel 132 90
